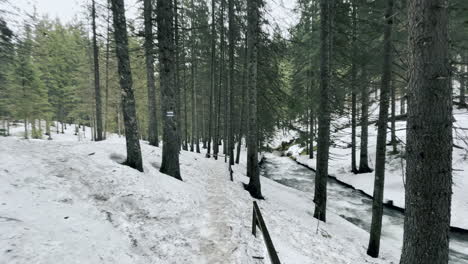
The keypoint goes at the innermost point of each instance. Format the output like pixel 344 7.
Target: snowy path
pixel 217 233
pixel 71 202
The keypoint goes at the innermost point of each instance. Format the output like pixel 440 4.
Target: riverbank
pixel 340 164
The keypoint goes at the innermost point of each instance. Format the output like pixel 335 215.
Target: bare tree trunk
pixel 170 159
pixel 393 140
pixel 364 159
pixel 230 86
pixel 153 136
pixel 132 135
pixel 212 75
pixel 381 149
pixel 194 97
pixel 97 88
pixel 321 176
pixel 221 82
pixel 48 132
pixel 311 134
pixel 243 103
pixel 26 128
pixel 353 90
pixel 108 36
pixel 177 73
pixel 253 28
pixel 184 85
pixel 225 85
pixel 429 136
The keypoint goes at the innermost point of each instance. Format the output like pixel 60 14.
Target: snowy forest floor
pixel 70 201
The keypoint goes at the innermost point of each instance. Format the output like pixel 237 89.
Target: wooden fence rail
pixel 257 220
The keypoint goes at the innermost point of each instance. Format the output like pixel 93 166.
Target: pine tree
pixel 97 86
pixel 429 136
pixel 149 50
pixel 321 176
pixel 170 158
pixel 253 28
pixel 377 202
pixel 132 135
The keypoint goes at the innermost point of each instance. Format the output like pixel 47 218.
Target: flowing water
pixel 352 204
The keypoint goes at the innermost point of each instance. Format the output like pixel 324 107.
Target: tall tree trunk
pixel 429 136
pixel 230 86
pixel 195 138
pixel 393 140
pixel 363 156
pixel 321 176
pixel 253 28
pixel 108 36
pixel 165 20
pixel 381 149
pixel 48 132
pixel 242 115
pixel 97 88
pixel 26 128
pixel 353 90
pixel 153 137
pixel 177 72
pixel 132 134
pixel 202 116
pixel 311 134
pixel 33 129
pixel 184 84
pixel 225 85
pixel 221 81
pixel 212 76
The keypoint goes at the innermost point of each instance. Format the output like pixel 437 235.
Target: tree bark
pixel 106 106
pixel 321 176
pixel 97 88
pixel 429 136
pixel 311 134
pixel 212 76
pixel 363 156
pixel 221 81
pixel 177 73
pixel 381 149
pixel 243 103
pixel 170 156
pixel 230 86
pixel 132 134
pixel 195 139
pixel 393 139
pixel 153 137
pixel 253 28
pixel 184 84
pixel 353 90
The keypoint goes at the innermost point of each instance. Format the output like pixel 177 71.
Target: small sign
pixel 170 114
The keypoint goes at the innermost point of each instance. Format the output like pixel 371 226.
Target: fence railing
pixel 257 220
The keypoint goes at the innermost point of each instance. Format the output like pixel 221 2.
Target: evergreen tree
pixel 132 137
pixel 429 136
pixel 170 158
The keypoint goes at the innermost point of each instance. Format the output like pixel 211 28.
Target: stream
pixel 351 204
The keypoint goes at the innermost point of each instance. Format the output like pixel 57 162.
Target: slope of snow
pixel 64 201
pixel 340 164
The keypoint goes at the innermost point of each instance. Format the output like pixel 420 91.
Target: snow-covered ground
pixel 70 201
pixel 340 163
